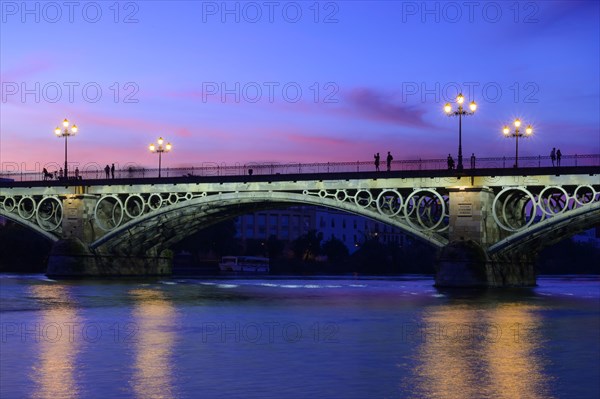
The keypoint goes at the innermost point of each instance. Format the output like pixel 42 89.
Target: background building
pixel 591 237
pixel 285 224
pixel 290 223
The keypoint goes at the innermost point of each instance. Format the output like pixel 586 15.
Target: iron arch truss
pixel 156 215
pixel 172 216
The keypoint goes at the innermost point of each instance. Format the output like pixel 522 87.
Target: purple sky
pixel 294 81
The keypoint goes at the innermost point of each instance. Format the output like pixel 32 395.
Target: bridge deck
pixel 467 173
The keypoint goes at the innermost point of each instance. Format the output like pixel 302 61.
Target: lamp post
pixel 66 132
pixel 516 134
pixel 159 148
pixel 460 99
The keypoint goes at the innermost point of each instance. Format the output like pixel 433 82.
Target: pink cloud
pixel 13 79
pixel 317 140
pixel 147 126
pixel 231 97
pixel 28 67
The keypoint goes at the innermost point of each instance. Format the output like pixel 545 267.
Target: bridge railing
pixel 94 171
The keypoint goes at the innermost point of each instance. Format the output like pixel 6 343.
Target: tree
pixel 255 247
pixel 335 250
pixel 569 257
pixel 371 258
pixel 275 247
pixel 308 246
pixel 218 239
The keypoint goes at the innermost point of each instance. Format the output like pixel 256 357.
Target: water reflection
pixel 474 352
pixel 154 316
pixel 515 365
pixel 56 333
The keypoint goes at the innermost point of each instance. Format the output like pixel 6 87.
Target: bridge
pixel 487 223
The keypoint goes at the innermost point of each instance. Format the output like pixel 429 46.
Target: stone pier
pixel 71 257
pixel 464 261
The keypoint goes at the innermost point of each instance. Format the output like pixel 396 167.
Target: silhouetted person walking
pixel 377 158
pixel 450 162
pixel 553 155
pixel 107 171
pixel 389 160
pixel 473 160
pixel 112 170
pixel 45 174
pixel 558 156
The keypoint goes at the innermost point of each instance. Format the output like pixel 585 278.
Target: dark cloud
pixel 384 107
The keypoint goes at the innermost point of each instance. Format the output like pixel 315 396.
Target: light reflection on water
pixel 270 338
pixel 516 367
pixel 54 371
pixel 467 352
pixel 154 317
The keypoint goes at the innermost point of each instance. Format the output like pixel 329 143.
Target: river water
pixel 297 338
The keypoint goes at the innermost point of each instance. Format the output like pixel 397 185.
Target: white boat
pixel 244 264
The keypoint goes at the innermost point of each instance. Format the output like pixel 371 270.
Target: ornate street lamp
pixel 516 134
pixel 66 132
pixel 460 99
pixel 159 148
